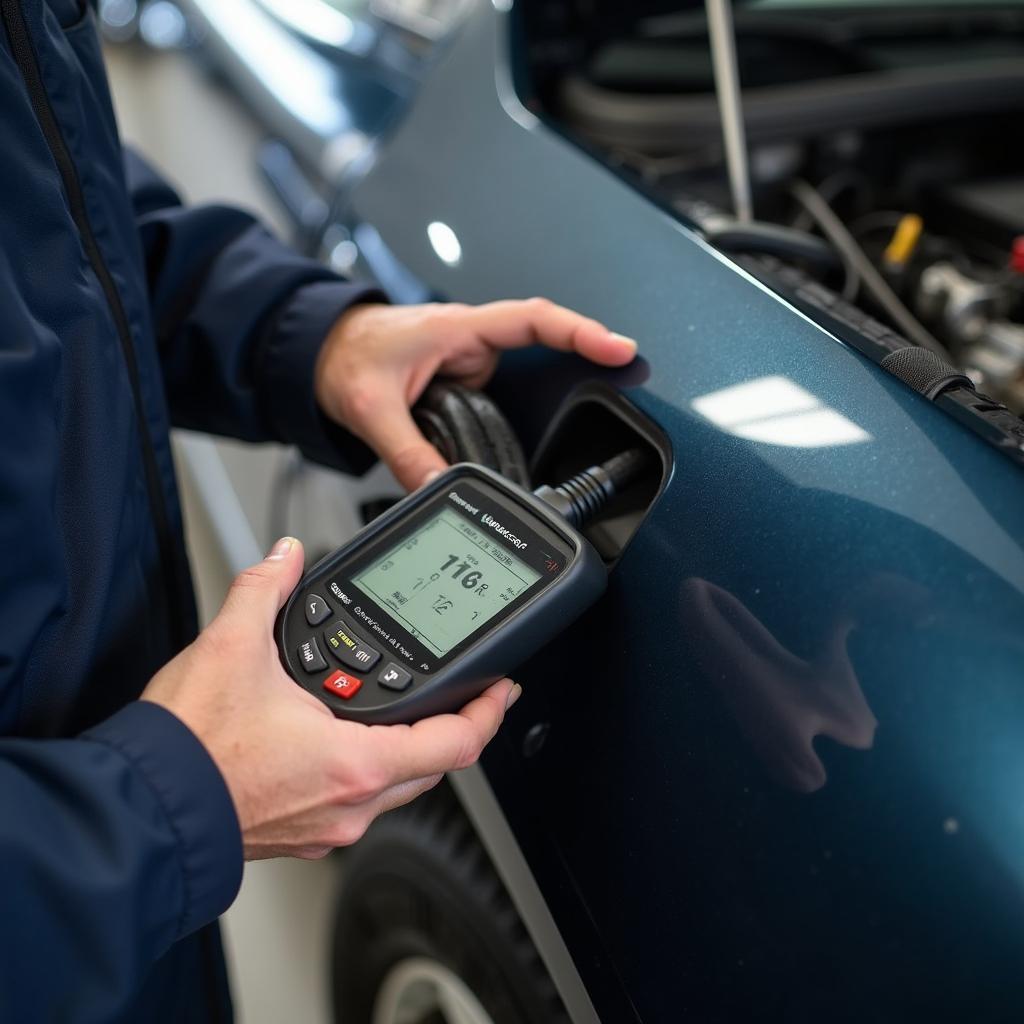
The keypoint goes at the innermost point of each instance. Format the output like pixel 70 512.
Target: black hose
pixel 730 235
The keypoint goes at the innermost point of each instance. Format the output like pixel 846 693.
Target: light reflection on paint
pixel 776 410
pixel 445 243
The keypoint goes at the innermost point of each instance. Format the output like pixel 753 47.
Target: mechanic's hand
pixel 302 781
pixel 377 361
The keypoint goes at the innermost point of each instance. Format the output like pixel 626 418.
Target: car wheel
pixel 425 933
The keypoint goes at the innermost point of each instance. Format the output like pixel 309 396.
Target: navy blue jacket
pixel 121 312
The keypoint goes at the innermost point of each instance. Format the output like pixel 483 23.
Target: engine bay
pixel 885 153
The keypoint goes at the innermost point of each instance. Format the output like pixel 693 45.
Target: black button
pixel 317 609
pixel 362 658
pixel 310 656
pixel 350 650
pixel 394 677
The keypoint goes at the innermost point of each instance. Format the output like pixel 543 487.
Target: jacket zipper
pixel 25 57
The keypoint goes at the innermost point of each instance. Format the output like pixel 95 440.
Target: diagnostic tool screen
pixel 446 580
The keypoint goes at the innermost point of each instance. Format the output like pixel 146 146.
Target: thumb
pixel 259 592
pixel 398 441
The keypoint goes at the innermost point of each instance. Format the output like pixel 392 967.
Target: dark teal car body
pixel 783 774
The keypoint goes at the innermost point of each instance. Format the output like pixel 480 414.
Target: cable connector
pixel 582 497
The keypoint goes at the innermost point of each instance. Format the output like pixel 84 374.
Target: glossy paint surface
pixel 784 777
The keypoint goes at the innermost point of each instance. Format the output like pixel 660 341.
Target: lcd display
pixel 445 580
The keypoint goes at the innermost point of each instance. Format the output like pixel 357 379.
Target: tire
pixel 420 906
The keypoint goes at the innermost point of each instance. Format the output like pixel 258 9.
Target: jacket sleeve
pixel 112 846
pixel 239 319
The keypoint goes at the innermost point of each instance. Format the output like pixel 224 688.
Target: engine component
pixel 962 305
pixel 972 312
pixel 999 359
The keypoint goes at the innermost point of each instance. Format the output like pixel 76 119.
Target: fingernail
pixel 513 695
pixel 281 548
pixel 432 475
pixel 623 340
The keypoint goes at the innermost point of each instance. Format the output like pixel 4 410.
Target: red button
pixel 342 685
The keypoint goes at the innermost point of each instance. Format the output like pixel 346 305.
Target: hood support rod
pixel 722 34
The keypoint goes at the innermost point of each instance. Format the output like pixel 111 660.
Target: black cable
pixel 831 189
pixel 580 499
pixel 848 247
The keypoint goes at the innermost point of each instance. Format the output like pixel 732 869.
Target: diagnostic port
pixel 593 425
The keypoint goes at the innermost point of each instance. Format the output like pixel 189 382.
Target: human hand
pixel 302 781
pixel 377 360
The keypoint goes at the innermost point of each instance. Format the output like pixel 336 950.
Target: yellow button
pixel 339 637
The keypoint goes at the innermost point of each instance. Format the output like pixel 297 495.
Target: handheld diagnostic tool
pixel 437 598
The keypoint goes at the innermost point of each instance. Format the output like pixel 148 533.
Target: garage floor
pixel 277 931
